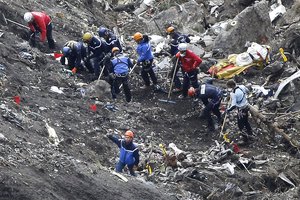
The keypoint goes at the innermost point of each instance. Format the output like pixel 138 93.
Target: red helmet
pixel 129 134
pixel 191 92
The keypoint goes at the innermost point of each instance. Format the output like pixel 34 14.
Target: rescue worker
pixel 211 96
pixel 239 101
pixel 145 59
pixel 110 39
pixel 95 53
pixel 129 152
pixel 177 38
pixel 119 73
pixel 74 52
pixel 189 63
pixel 40 22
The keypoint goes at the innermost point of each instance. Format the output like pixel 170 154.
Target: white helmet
pixel 182 47
pixel 28 17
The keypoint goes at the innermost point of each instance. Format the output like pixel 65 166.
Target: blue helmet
pixel 66 51
pixel 102 31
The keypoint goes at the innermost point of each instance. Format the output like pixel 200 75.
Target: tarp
pixel 227 68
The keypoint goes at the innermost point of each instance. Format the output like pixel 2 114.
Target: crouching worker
pixel 74 52
pixel 211 97
pixel 40 22
pixel 119 72
pixel 129 153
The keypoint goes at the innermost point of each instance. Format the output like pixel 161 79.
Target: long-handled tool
pixel 224 120
pixel 171 85
pixel 103 67
pixel 129 73
pixel 16 23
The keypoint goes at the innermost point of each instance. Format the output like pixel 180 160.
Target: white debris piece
pixel 156 39
pixel 165 63
pixel 52 136
pixel 175 149
pixel 276 11
pixel 55 89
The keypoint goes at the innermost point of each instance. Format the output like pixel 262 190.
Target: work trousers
pixel 120 166
pixel 189 78
pixel 115 87
pixel 242 119
pixel 147 71
pixel 214 108
pixel 50 39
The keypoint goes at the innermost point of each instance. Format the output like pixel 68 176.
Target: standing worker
pixel 110 38
pixel 40 22
pixel 177 38
pixel 211 97
pixel 145 59
pixel 119 70
pixel 239 101
pixel 189 62
pixel 129 153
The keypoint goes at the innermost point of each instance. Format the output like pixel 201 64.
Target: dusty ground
pixel 78 168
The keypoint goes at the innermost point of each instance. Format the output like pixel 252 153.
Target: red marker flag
pixel 236 148
pixel 57 55
pixel 17 99
pixel 93 107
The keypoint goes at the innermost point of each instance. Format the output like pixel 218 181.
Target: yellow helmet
pixel 138 36
pixel 115 49
pixel 87 37
pixel 170 29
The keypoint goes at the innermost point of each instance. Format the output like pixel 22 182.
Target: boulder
pixel 256 28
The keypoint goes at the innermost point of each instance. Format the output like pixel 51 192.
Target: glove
pixel 74 70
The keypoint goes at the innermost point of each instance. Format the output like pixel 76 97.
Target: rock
pixel 235 38
pixel 99 89
pixel 232 188
pixel 246 2
pixel 273 68
pixel 189 20
pixel 178 176
pixel 289 70
pixel 3 138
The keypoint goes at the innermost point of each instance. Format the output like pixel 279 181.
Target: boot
pixel 51 44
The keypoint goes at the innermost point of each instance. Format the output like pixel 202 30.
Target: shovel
pixel 16 23
pixel 170 90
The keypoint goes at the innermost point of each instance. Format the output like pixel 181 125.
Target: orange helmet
pixel 191 92
pixel 138 36
pixel 115 49
pixel 170 29
pixel 129 134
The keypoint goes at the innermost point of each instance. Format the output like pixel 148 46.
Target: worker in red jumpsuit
pixel 40 22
